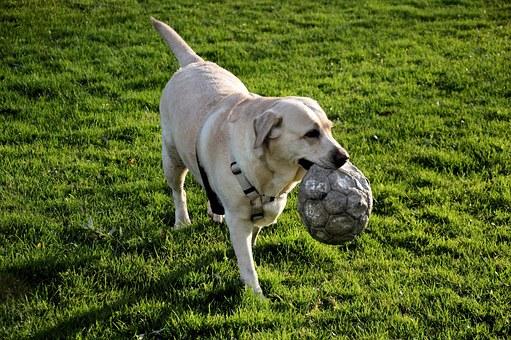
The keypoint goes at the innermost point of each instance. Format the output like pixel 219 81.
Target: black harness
pixel 214 201
pixel 257 201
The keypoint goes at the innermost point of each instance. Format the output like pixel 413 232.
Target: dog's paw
pixel 182 224
pixel 216 218
pixel 256 292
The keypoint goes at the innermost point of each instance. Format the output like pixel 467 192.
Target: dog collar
pixel 257 200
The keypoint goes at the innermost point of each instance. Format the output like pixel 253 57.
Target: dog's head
pixel 297 130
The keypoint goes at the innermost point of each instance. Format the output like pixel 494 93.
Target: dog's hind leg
pixel 216 218
pixel 175 173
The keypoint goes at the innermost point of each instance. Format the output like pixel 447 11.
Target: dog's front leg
pixel 240 231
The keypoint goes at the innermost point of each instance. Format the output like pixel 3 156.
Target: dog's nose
pixel 339 157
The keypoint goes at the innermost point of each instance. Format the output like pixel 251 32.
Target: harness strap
pixel 216 204
pixel 257 200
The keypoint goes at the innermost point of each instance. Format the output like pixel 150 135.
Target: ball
pixel 335 204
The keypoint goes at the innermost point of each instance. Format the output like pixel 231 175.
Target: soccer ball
pixel 335 204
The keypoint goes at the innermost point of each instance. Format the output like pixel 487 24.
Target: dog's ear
pixel 266 127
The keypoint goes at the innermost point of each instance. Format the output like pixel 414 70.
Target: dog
pixel 247 151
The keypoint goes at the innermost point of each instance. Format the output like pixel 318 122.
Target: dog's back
pixel 191 93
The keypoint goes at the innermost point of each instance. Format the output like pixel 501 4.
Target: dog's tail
pixel 184 53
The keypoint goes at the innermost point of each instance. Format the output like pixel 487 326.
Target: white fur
pixel 206 107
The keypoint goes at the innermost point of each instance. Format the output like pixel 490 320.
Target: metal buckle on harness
pixel 257 200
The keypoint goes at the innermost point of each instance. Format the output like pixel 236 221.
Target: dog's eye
pixel 314 133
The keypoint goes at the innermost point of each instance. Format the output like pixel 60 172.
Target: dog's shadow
pixel 46 276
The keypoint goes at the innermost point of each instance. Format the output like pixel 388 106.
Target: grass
pixel 420 92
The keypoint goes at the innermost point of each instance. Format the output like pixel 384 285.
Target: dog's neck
pixel 268 178
pixel 283 177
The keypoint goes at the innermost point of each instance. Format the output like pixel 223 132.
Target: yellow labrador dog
pixel 246 151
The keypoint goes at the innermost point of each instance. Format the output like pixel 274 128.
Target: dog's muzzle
pixel 338 157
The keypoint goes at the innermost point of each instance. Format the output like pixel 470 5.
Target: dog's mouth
pixel 306 164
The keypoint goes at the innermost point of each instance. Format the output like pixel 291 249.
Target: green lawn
pixel 420 92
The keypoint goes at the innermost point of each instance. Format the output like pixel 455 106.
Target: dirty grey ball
pixel 335 204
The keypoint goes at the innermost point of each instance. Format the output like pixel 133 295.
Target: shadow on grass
pixel 226 296
pixel 292 251
pixel 19 280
